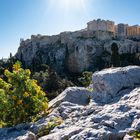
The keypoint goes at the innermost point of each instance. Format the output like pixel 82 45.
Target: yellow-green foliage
pixel 20 97
pixel 50 126
pixel 135 134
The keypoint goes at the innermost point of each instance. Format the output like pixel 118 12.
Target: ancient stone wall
pixel 101 25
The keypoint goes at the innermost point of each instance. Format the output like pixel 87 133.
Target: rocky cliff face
pixel 112 111
pixel 74 51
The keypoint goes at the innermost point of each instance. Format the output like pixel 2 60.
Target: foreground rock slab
pixel 27 136
pixel 108 83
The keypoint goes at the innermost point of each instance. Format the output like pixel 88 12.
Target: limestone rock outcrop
pixel 72 94
pixel 124 46
pixel 73 51
pixel 27 136
pixel 110 114
pixel 108 83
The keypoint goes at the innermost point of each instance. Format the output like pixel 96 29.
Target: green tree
pixel 115 58
pixel 10 55
pixel 51 82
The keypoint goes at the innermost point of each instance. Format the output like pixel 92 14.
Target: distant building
pixel 121 30
pixel 133 31
pixel 101 25
pixel 115 32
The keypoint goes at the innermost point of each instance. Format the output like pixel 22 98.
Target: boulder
pixel 77 95
pixel 127 137
pixel 27 136
pixel 108 83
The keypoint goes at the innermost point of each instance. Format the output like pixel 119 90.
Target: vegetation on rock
pixel 50 126
pixel 135 134
pixel 86 78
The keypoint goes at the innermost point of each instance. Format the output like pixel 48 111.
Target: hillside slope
pixel 78 51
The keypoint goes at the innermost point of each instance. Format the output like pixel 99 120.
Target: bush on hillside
pixel 86 78
pixel 20 97
pixel 56 121
pixel 135 134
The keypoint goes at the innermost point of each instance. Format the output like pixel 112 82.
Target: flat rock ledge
pixel 108 113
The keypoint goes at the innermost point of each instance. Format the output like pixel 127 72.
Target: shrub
pixel 135 134
pixel 86 78
pixel 56 121
pixel 20 97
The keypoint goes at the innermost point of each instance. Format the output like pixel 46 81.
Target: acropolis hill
pixel 87 49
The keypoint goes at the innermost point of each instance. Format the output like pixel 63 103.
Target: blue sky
pixel 22 18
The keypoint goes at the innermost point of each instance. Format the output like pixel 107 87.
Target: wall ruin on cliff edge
pixel 119 30
pixel 101 25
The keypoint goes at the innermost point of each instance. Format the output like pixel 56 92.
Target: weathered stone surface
pixel 109 82
pixel 111 120
pixel 27 136
pixel 63 135
pixel 13 132
pixel 124 46
pixel 72 94
pixel 127 137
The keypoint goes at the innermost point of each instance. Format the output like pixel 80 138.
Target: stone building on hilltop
pixel 101 25
pixel 120 30
pixel 133 31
